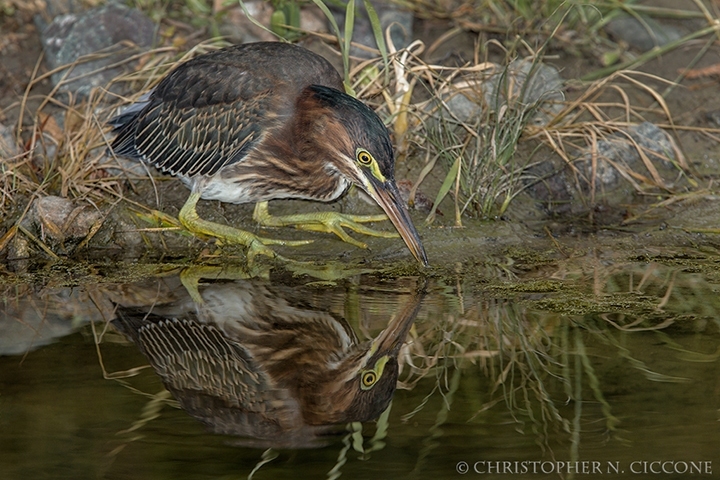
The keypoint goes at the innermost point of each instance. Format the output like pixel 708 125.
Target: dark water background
pixel 609 367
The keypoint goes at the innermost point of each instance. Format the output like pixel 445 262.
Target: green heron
pixel 263 121
pixel 255 361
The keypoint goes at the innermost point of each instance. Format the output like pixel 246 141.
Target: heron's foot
pixel 329 222
pixel 226 234
pixel 192 276
pixel 161 221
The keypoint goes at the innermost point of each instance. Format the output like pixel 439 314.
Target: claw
pixel 327 222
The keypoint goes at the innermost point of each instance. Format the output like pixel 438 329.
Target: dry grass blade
pixel 64 150
pixel 591 118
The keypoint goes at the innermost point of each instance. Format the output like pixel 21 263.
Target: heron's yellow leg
pixel 192 276
pixel 227 234
pixel 329 222
pixel 161 220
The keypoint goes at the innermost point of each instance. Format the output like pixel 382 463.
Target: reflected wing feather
pixel 189 355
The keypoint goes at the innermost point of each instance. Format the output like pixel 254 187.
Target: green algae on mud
pixel 70 273
pixel 574 273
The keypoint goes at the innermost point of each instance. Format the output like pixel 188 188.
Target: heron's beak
pixel 387 196
pixel 392 338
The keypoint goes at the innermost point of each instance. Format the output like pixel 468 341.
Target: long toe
pixel 332 222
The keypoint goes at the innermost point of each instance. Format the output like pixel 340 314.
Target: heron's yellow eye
pixel 368 379
pixel 364 158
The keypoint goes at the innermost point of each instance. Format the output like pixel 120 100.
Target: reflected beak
pixel 387 196
pixel 393 337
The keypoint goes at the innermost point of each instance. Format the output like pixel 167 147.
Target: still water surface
pixel 613 369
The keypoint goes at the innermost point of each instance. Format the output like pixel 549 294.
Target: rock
pixel 55 8
pixel 60 222
pixel 643 35
pixel 563 191
pixel 620 150
pixel 8 145
pixel 71 37
pixel 655 140
pixel 529 83
pixel 464 102
pixel 523 82
pixel 389 14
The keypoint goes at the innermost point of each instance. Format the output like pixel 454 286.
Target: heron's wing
pixel 211 111
pixel 192 356
pixel 202 117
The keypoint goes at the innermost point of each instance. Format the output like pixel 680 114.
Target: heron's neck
pixel 300 168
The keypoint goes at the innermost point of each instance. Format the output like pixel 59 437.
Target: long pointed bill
pixel 393 337
pixel 387 196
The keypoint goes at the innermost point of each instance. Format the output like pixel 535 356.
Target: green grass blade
pixel 256 23
pixel 447 184
pixel 343 43
pixel 331 19
pixel 377 33
pixel 349 25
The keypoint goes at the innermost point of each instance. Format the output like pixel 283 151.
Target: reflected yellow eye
pixel 368 379
pixel 364 157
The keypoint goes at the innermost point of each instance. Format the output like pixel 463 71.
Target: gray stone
pixel 621 150
pixel 655 140
pixel 560 190
pixel 8 145
pixel 527 82
pixel 55 8
pixel 644 34
pixel 71 37
pixel 60 222
pixel 522 82
pixel 464 103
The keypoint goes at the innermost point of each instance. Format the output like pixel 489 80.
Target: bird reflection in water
pixel 248 361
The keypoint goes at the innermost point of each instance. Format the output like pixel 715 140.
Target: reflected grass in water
pixel 487 373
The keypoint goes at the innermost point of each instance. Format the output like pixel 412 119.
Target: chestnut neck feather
pixel 303 153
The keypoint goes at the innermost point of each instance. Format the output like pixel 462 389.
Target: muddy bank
pixel 681 236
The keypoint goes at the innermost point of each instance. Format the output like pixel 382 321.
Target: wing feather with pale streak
pixel 193 357
pixel 197 121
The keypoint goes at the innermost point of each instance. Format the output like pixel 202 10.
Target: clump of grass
pixel 484 174
pixel 604 109
pixel 63 143
pixel 477 148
